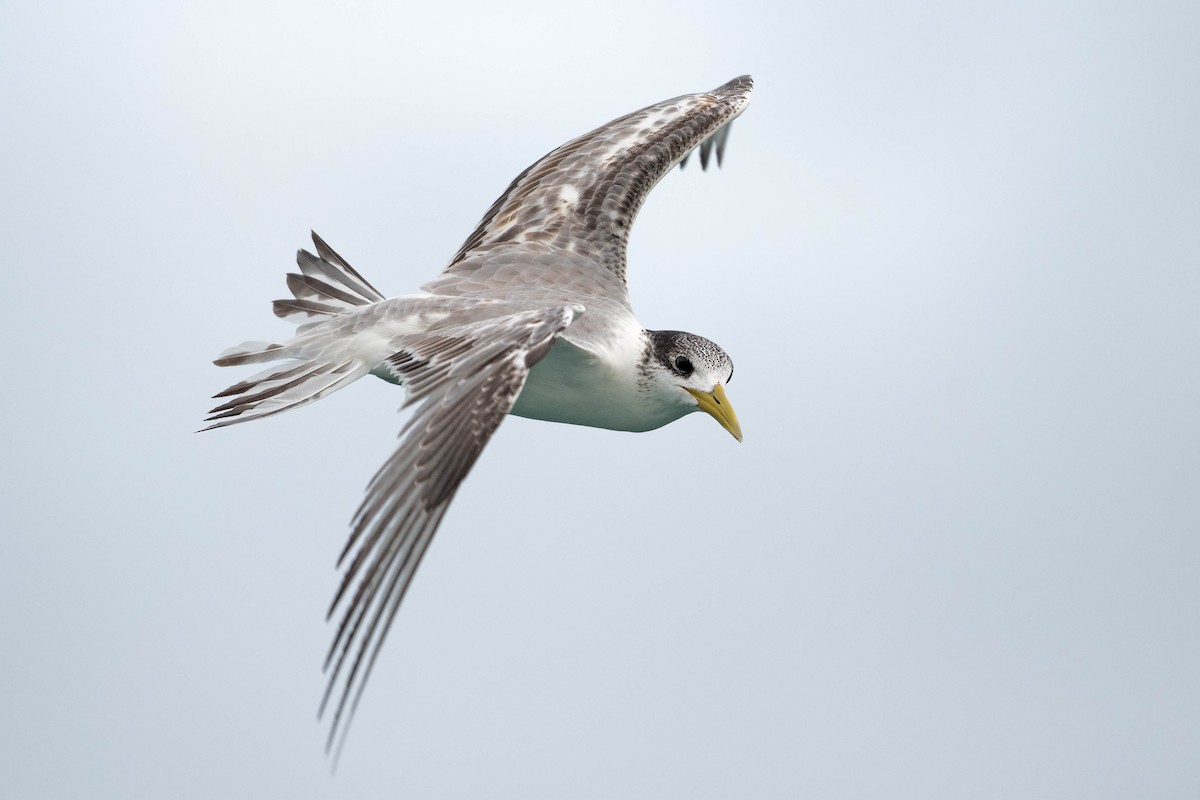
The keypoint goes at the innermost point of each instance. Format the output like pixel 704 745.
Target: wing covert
pixel 584 195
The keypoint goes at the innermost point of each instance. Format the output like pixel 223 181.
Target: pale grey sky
pixel 954 253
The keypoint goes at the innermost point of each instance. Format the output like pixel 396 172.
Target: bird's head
pixel 693 372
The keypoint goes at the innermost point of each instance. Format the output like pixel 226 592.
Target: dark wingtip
pixel 741 82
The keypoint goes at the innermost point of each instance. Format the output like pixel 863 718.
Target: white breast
pixel 600 389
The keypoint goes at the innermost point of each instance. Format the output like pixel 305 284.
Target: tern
pixel 531 317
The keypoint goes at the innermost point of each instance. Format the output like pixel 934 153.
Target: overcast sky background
pixel 954 253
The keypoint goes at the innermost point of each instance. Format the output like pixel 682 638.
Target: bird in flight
pixel 531 317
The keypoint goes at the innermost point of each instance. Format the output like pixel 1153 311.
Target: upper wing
pixel 466 378
pixel 584 195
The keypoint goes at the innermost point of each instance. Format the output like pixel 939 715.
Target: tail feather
pixel 306 288
pixel 359 284
pixel 325 288
pixel 303 312
pixel 251 353
pixel 275 391
pixel 272 374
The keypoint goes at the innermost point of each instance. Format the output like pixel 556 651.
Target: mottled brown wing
pixel 585 195
pixel 464 379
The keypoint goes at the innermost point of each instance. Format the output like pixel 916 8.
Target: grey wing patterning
pixel 466 379
pixel 584 195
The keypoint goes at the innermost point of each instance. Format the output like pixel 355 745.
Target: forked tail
pixel 325 288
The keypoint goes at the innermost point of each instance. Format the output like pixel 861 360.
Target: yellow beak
pixel 717 405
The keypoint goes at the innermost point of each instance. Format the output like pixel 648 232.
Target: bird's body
pixel 532 317
pixel 583 379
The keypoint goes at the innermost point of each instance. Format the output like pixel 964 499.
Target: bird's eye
pixel 684 365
